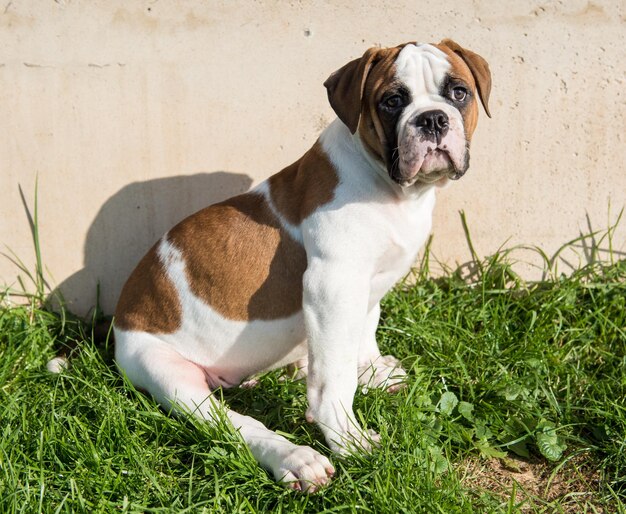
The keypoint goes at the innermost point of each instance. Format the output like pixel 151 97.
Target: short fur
pixel 294 270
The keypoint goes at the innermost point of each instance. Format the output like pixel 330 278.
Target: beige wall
pixel 134 114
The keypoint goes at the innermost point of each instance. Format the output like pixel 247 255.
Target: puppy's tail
pixel 101 333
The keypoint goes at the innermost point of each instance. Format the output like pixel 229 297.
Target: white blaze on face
pixel 423 70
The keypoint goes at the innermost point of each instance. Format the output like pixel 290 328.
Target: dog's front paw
pixel 355 440
pixel 303 469
pixel 385 373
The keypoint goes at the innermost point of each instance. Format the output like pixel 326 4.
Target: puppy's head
pixel 414 106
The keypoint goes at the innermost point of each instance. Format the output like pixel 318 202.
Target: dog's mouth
pixel 420 158
pixel 437 164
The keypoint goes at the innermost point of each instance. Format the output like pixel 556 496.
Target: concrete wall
pixel 134 114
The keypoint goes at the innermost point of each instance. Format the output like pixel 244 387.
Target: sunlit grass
pixel 499 368
pixel 505 376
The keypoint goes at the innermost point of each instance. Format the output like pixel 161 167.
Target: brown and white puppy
pixel 295 269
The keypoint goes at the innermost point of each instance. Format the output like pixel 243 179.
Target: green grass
pixel 500 369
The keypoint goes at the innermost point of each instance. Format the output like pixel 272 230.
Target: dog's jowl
pixel 294 270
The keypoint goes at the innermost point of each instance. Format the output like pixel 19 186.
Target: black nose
pixel 434 124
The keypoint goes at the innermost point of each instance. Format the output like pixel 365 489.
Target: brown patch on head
pixel 301 188
pixel 354 92
pixel 347 87
pixel 474 71
pixel 478 67
pixel 375 135
pixel 240 261
pixel 149 301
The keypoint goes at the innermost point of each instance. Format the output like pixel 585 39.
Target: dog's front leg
pixel 335 310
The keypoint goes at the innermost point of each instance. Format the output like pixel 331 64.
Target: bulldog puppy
pixel 295 269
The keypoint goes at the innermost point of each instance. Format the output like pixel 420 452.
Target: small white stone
pixel 57 365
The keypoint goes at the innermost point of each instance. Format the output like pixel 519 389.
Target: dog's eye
pixel 459 93
pixel 393 102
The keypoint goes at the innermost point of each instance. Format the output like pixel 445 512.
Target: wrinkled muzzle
pixel 431 146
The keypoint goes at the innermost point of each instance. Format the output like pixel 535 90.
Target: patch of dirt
pixel 573 485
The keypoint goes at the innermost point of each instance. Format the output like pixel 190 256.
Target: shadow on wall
pixel 129 223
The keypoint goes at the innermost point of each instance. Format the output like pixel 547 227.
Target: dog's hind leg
pixel 376 370
pixel 298 370
pixel 179 384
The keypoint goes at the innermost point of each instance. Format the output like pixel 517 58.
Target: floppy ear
pixel 345 88
pixel 479 68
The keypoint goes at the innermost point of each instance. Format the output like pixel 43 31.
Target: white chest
pixel 371 225
pixel 406 232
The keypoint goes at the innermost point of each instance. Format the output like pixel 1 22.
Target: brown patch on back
pixel 240 261
pixel 304 186
pixel 149 301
